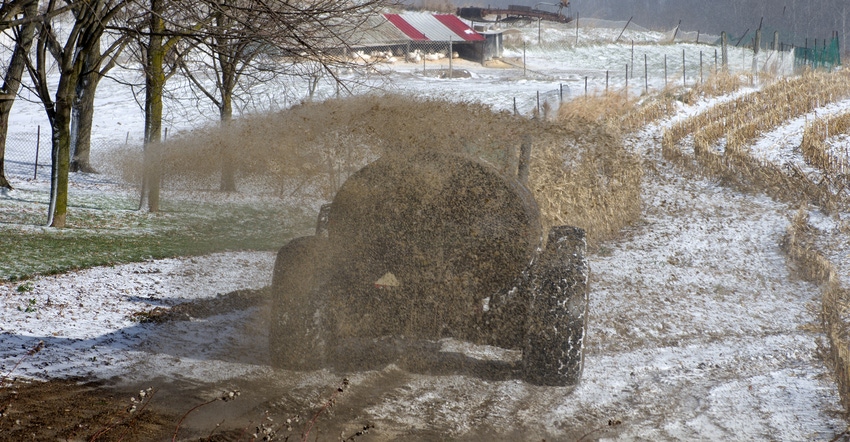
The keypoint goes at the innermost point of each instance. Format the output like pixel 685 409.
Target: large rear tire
pixel 557 317
pixel 299 336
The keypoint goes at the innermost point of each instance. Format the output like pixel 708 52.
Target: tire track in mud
pixel 697 329
pixel 711 339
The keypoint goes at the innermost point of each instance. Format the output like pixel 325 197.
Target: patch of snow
pixel 697 330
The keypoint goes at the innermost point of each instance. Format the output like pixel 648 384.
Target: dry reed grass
pixel 619 109
pixel 595 184
pixel 812 265
pixel 586 177
pixel 815 149
pixel 597 109
pixel 581 173
pixel 650 110
pixel 717 84
pixel 745 118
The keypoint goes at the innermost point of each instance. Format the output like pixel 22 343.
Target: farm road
pixel 698 330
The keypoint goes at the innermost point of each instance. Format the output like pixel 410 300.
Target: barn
pixel 419 36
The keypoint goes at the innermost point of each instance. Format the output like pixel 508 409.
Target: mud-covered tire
pixel 298 337
pixel 557 315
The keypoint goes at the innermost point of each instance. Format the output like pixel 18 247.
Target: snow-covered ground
pixel 698 330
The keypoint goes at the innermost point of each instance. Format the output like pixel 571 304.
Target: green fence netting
pixel 824 57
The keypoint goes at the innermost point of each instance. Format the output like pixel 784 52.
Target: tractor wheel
pixel 557 316
pixel 299 338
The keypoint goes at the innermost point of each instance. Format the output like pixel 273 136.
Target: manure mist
pixel 581 173
pixel 670 347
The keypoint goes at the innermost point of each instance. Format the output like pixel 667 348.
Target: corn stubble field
pixel 662 183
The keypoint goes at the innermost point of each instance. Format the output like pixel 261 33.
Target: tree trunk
pixel 154 85
pixel 83 113
pixel 62 148
pixel 12 83
pixel 5 108
pixel 227 61
pixel 228 160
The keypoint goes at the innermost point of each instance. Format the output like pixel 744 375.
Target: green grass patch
pixel 108 231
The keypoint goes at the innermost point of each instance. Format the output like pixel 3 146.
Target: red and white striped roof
pixel 422 26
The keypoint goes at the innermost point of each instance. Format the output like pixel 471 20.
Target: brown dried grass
pixel 597 109
pixel 814 147
pixel 581 173
pixel 744 119
pixel 717 84
pixel 588 178
pixel 618 109
pixel 798 245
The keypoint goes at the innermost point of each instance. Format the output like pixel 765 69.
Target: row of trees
pixel 796 20
pixel 61 49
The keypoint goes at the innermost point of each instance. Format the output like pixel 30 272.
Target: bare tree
pixel 23 33
pixel 224 51
pixel 158 45
pixel 246 41
pixel 89 19
pixel 96 64
pixel 154 52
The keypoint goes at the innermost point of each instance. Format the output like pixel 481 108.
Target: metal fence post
pixel 523 59
pixel 576 28
pixel 538 102
pixel 37 145
pixel 451 71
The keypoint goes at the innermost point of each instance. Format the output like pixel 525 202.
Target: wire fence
pixel 28 155
pixel 827 56
pixel 538 65
pixel 591 56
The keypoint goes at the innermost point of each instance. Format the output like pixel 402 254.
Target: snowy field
pixel 697 331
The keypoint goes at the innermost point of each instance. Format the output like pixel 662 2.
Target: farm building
pixel 417 35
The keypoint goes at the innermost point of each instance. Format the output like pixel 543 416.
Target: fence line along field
pixel 718 274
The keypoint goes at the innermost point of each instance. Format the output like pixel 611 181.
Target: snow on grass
pixel 86 318
pixel 782 144
pixel 697 330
